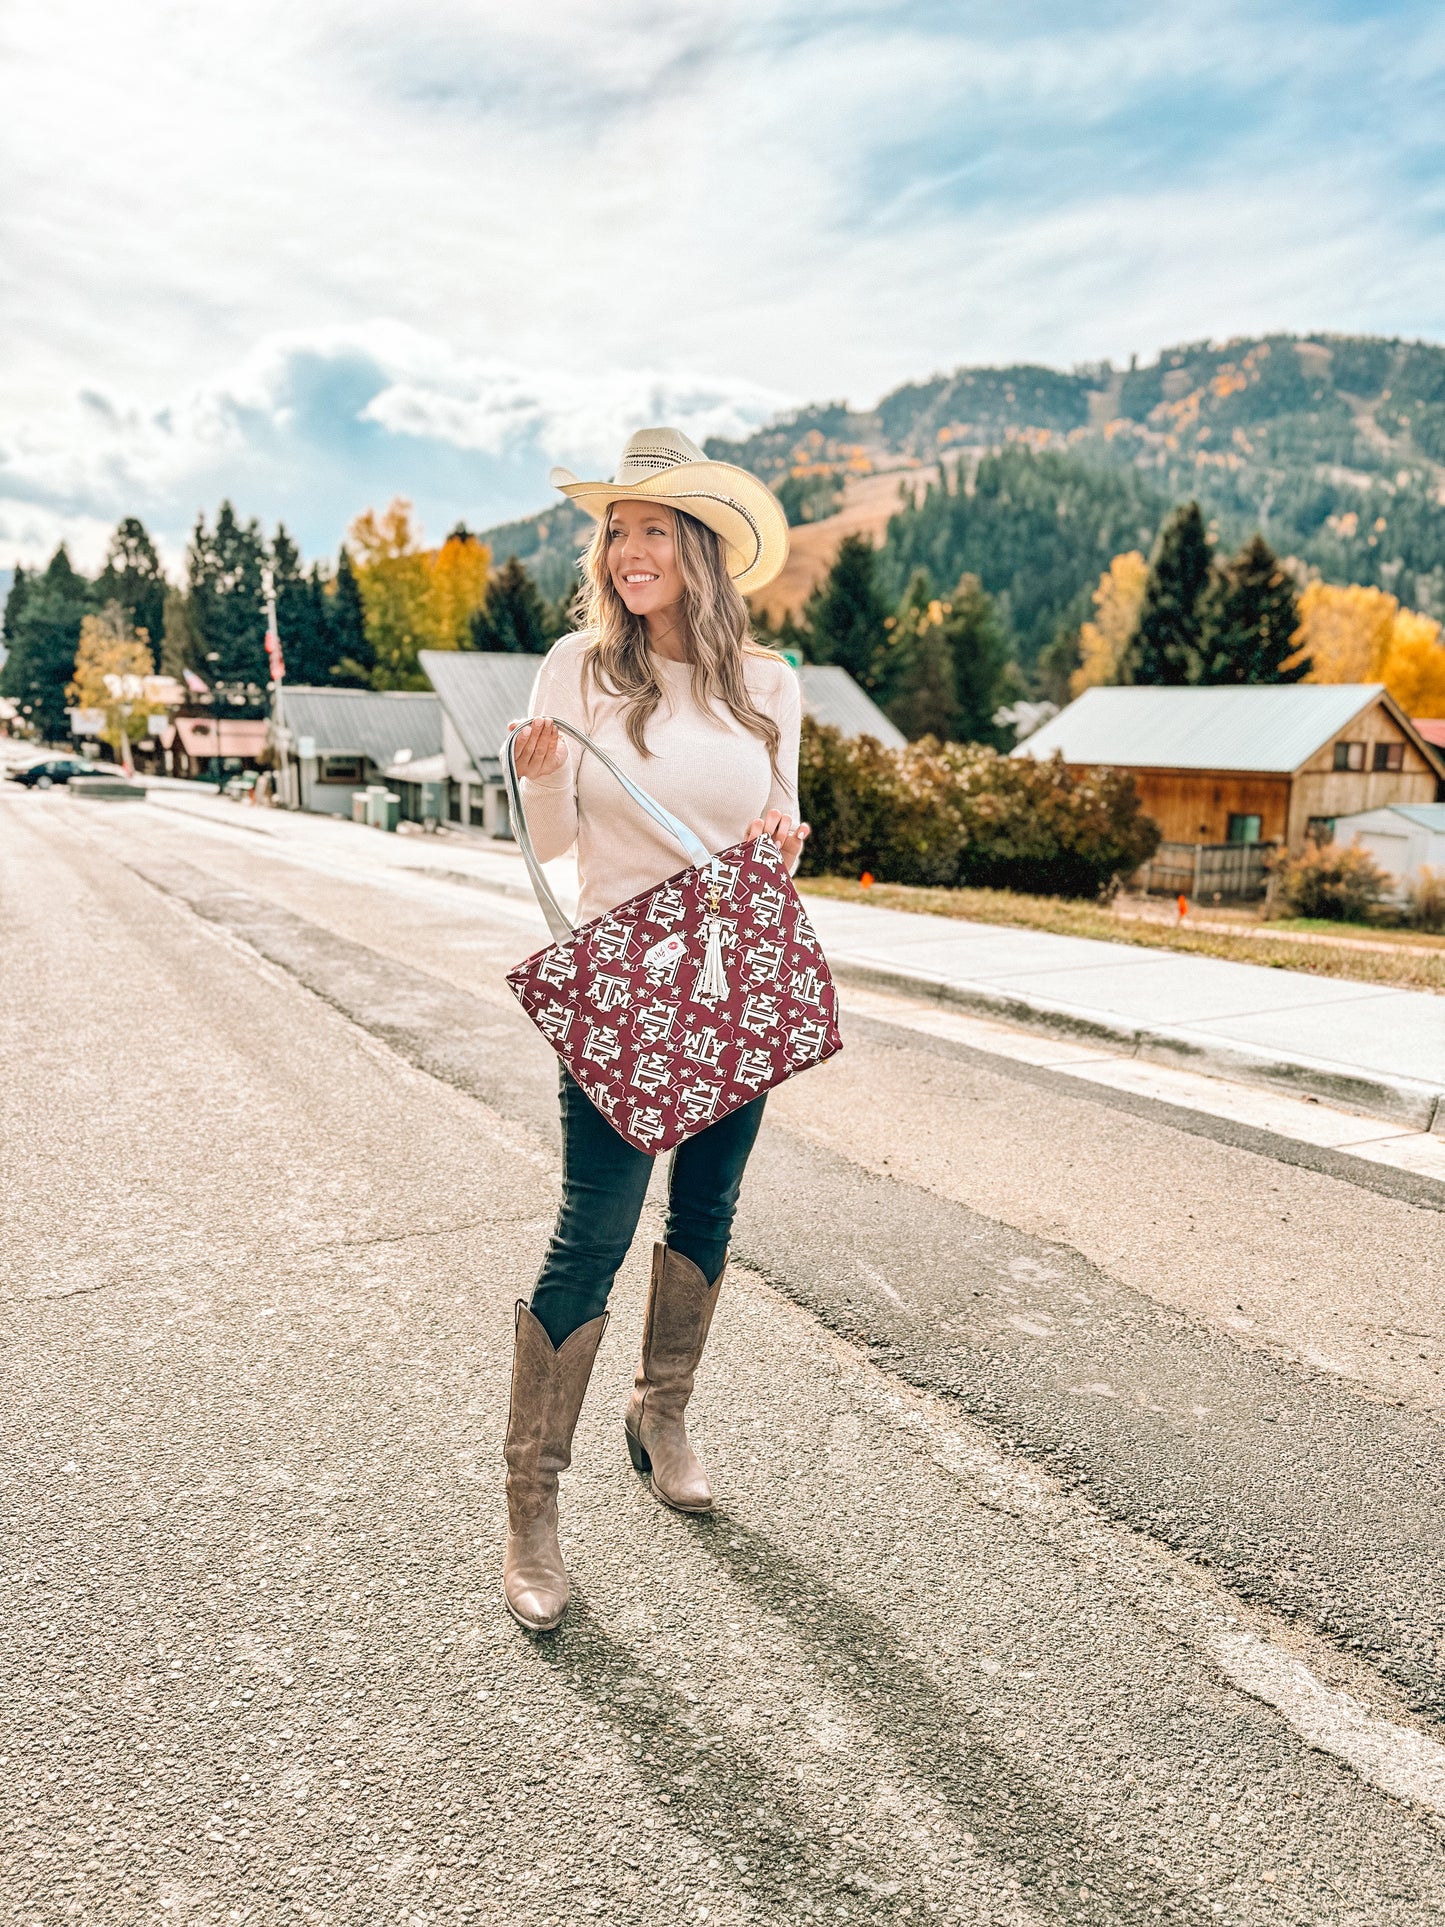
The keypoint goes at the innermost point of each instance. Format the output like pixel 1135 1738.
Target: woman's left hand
pixel 789 839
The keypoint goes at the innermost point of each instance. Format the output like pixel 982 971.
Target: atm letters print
pixel 660 1061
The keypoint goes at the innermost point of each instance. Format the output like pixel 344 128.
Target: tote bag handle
pixel 556 922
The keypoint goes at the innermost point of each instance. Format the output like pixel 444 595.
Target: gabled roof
pixel 1271 729
pixel 482 690
pixel 364 722
pixel 830 696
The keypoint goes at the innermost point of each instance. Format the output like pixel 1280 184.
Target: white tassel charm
pixel 713 983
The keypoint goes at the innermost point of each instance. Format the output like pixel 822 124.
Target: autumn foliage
pixel 415 598
pixel 1357 634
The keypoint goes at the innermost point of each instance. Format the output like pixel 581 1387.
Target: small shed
pixel 1403 838
pixel 330 742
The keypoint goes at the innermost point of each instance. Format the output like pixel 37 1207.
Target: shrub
pixel 1330 880
pixel 1425 899
pixel 959 813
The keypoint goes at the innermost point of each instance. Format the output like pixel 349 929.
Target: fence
pixel 1204 871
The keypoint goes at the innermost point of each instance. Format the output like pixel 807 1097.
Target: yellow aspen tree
pixel 1353 633
pixel 1345 629
pixel 459 573
pixel 394 575
pixel 1414 670
pixel 112 665
pixel 1104 641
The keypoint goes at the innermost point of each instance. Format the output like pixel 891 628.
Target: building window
pixel 1244 829
pixel 1320 829
pixel 1389 756
pixel 340 769
pixel 1349 755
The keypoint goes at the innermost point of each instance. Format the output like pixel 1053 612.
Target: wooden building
pixel 1275 764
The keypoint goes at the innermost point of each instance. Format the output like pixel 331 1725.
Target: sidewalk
pixel 1365 1046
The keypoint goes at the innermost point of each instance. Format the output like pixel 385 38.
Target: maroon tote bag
pixel 688 1001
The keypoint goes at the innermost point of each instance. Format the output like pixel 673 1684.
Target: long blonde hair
pixel 717 635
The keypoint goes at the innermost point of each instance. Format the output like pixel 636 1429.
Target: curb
pixel 1400 1100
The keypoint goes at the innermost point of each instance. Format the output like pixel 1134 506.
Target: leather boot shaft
pixel 680 1307
pixel 548 1387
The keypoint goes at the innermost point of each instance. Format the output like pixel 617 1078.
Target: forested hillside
pixel 1331 447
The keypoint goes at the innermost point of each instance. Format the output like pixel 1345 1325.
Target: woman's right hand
pixel 541 750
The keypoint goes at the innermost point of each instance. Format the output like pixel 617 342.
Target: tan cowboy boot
pixel 547 1391
pixel 680 1306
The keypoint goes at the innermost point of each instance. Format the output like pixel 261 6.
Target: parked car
pixel 240 786
pixel 54 769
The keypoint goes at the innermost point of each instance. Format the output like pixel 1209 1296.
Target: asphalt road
pixel 1079 1545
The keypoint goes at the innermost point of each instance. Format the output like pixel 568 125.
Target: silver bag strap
pixel 556 922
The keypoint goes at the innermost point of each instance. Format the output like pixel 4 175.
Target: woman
pixel 665 677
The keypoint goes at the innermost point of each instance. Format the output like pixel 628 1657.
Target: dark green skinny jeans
pixel 604 1181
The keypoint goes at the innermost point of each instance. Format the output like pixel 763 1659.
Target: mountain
pixel 1332 445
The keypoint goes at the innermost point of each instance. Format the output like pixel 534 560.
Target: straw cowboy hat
pixel 662 465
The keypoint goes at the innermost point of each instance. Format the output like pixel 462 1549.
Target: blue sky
pixel 312 255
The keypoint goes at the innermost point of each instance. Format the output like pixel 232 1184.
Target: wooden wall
pixel 1194 806
pixel 1322 790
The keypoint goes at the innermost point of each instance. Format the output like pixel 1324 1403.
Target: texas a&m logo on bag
pixel 677 1008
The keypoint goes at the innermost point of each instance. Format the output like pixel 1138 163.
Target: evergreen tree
pixel 514 617
pixel 948 665
pixel 984 673
pixel 179 651
pixel 353 660
pixel 14 603
pixel 1250 616
pixel 224 577
pixel 1167 643
pixel 916 682
pixel 561 614
pixel 846 615
pixel 134 578
pixel 303 619
pixel 43 642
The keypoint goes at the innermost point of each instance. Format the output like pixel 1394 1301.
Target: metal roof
pixel 831 696
pixel 364 722
pixel 1274 728
pixel 482 690
pixel 1425 816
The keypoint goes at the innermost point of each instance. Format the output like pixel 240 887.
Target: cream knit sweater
pixel 704 767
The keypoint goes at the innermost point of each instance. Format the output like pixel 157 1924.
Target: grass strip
pixel 1066 918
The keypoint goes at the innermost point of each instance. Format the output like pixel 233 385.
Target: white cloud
pixel 312 255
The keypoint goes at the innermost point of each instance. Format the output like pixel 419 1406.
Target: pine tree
pixel 302 617
pixel 134 578
pixel 983 668
pixel 1250 616
pixel 914 674
pixel 224 577
pixel 1166 645
pixel 14 603
pixel 43 642
pixel 353 660
pixel 846 614
pixel 514 617
pixel 179 650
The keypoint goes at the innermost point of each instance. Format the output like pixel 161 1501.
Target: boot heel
pixel 639 1458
